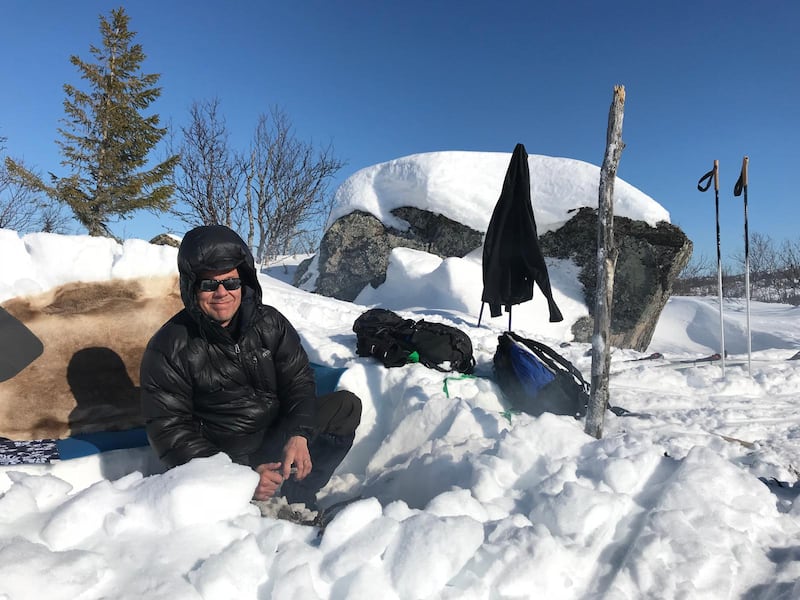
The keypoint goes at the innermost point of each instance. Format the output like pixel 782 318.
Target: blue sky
pixel 380 80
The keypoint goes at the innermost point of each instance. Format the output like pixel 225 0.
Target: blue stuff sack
pixel 530 371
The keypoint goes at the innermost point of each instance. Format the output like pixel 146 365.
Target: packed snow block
pixel 17 266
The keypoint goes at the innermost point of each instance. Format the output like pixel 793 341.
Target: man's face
pixel 219 304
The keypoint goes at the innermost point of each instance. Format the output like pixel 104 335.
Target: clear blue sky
pixel 380 80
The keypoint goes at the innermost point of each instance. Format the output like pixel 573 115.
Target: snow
pixel 464 186
pixel 460 498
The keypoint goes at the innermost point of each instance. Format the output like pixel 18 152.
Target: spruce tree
pixel 106 138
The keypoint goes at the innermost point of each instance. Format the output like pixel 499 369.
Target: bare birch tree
pixel 287 191
pixel 18 205
pixel 209 177
pixel 22 208
pixel 790 266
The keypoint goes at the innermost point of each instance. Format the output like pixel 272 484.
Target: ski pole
pixel 714 174
pixel 741 185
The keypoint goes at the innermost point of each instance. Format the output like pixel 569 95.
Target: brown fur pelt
pixel 87 378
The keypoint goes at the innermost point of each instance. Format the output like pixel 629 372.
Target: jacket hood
pixel 214 248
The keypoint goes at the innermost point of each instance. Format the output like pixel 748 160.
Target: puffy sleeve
pixel 166 397
pixel 295 378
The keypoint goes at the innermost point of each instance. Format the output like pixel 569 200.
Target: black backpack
pixel 396 341
pixel 537 379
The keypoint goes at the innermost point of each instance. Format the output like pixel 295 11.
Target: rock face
pixel 162 239
pixel 649 261
pixel 355 252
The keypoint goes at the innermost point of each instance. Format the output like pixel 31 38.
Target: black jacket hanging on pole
pixel 512 260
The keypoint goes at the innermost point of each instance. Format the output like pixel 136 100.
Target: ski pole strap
pixel 737 189
pixel 707 179
pixel 741 183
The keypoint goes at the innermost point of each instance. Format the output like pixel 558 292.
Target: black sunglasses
pixel 211 285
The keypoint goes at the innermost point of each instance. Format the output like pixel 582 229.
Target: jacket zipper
pixel 251 370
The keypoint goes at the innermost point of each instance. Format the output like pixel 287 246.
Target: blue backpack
pixel 537 379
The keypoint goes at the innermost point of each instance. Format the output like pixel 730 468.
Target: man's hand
pixel 270 480
pixel 295 452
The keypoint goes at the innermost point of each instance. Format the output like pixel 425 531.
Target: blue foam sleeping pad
pixel 86 444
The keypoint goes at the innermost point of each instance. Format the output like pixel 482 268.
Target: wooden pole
pixel 606 263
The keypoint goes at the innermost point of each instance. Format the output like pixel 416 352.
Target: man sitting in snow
pixel 229 374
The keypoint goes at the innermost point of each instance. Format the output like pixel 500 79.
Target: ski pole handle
pixel 705 180
pixel 716 175
pixel 745 164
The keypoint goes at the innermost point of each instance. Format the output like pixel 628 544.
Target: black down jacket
pixel 205 390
